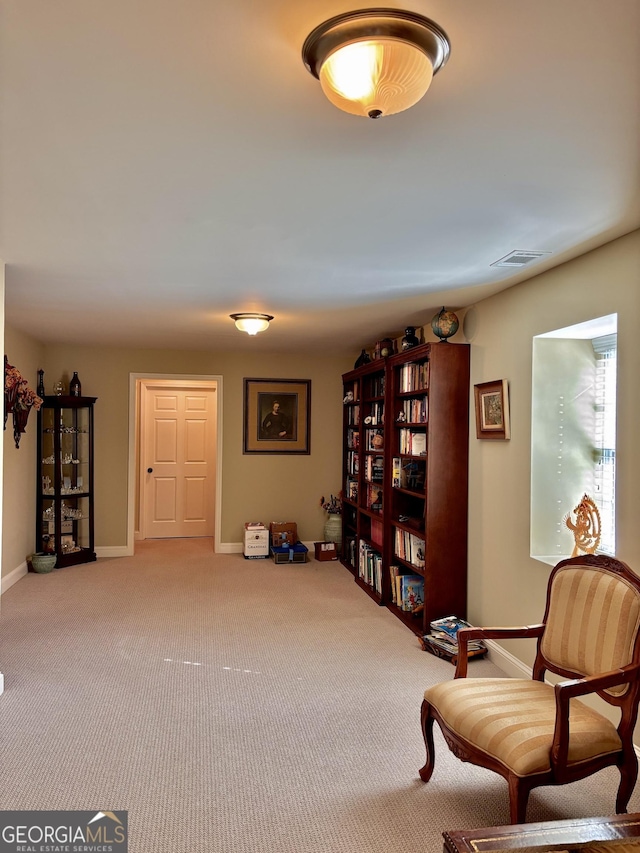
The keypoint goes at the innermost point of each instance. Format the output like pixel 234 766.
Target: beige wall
pixel 19 477
pixel 506 586
pixel 267 488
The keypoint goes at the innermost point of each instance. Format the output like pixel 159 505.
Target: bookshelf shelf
pixel 370 591
pixel 428 386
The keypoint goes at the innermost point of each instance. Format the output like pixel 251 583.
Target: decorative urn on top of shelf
pixel 444 324
pixel 410 339
pixel 363 358
pixel 75 388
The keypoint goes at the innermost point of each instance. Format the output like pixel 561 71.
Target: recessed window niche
pixel 573 433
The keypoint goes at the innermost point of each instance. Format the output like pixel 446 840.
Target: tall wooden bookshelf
pixel 405 478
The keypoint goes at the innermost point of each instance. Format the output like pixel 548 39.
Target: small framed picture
pixel 492 410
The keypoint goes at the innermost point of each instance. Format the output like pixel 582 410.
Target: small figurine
pixel 348 397
pixel 586 529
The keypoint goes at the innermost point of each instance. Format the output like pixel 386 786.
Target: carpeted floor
pixel 236 706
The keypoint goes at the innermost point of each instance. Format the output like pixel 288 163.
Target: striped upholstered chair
pixel 531 732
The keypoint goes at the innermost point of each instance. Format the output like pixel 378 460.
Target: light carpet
pixel 236 706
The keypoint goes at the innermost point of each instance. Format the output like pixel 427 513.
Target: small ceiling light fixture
pixel 375 62
pixel 252 323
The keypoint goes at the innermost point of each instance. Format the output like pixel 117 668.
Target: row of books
pixel 376 415
pixel 353 415
pixel 351 489
pixel 374 439
pixel 350 550
pixel 370 567
pixel 376 386
pixel 415 411
pixel 409 547
pixel 374 497
pixel 353 439
pixel 353 462
pixel 374 469
pixel 407 591
pixel 413 377
pixel 412 443
pixel 408 474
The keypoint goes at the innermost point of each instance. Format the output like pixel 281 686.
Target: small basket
pixel 43 563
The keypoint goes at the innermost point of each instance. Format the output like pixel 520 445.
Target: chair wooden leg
pixel 427 731
pixel 628 777
pixel 518 799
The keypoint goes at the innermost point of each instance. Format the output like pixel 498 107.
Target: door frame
pixel 181 380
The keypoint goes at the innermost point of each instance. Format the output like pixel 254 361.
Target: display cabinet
pixel 64 513
pixel 405 474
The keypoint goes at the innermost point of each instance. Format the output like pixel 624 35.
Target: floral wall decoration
pixel 19 399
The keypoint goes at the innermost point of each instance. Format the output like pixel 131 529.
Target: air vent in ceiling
pixel 519 259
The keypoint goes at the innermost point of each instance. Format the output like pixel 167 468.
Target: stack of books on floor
pixel 443 639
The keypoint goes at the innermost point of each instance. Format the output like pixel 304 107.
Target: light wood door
pixel 179 449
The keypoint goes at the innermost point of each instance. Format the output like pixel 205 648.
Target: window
pixel 573 433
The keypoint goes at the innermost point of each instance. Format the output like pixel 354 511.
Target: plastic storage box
pixel 296 554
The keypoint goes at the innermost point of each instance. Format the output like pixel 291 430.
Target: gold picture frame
pixel 277 416
pixel 492 410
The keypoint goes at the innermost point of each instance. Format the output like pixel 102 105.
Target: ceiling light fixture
pixel 252 323
pixel 375 62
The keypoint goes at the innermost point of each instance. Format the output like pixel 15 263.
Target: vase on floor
pixel 333 529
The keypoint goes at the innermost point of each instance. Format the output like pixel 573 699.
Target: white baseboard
pixel 114 551
pixel 13 577
pixel 106 551
pixel 507 662
pixel 229 548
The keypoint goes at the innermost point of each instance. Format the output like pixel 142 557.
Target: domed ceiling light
pixel 375 62
pixel 252 323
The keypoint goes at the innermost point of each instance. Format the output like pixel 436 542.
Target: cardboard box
pixel 326 551
pixel 295 554
pixel 256 544
pixel 282 533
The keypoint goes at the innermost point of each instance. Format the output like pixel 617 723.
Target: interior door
pixel 179 447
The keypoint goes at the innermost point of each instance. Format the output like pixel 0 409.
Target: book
pixel 418 443
pixel 449 625
pixel 444 633
pixel 396 472
pixel 444 642
pixel 411 593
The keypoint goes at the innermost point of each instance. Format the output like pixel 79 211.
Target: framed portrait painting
pixel 492 409
pixel 277 416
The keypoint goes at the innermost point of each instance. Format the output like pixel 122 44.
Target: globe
pixel 444 324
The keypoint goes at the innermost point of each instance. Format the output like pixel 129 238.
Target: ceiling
pixel 164 163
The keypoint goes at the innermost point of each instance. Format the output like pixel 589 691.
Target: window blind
pixel 605 349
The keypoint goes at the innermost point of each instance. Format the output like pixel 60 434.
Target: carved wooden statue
pixel 586 528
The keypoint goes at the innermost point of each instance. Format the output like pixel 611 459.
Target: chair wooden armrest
pixel 567 690
pixel 466 634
